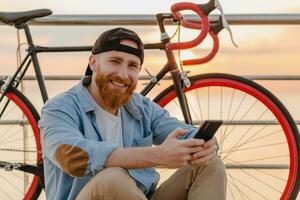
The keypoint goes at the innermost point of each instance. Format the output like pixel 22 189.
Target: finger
pixel 204 152
pixel 187 157
pixel 192 142
pixel 207 162
pixel 202 160
pixel 196 149
pixel 211 142
pixel 177 133
pixel 189 150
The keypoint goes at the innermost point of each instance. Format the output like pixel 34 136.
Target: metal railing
pixel 145 77
pixel 233 19
pixel 23 122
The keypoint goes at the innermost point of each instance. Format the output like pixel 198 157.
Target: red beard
pixel 113 97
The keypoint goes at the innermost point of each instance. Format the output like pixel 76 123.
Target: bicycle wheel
pixel 19 143
pixel 259 141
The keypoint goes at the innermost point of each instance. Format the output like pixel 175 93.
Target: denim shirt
pixel 69 118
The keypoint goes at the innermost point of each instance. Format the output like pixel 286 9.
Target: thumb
pixel 177 133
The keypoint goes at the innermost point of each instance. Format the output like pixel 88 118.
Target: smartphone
pixel 207 129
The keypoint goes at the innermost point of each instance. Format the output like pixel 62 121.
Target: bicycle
pixel 252 115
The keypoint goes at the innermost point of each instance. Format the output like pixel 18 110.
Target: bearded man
pixel 101 140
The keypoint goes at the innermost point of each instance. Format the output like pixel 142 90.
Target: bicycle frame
pixel 32 51
pixel 177 91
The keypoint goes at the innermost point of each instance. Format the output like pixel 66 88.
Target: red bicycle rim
pixel 35 129
pixel 268 103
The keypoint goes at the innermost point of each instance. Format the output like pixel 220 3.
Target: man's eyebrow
pixel 116 58
pixel 121 59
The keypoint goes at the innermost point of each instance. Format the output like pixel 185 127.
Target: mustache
pixel 118 79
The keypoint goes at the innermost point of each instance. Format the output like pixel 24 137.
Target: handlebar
pixel 209 56
pixel 204 25
pixel 203 11
pixel 214 30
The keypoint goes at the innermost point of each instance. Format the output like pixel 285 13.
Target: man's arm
pixel 172 153
pixel 162 124
pixel 64 144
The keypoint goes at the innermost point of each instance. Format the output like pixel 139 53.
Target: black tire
pixel 234 87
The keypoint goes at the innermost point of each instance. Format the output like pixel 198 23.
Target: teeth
pixel 118 84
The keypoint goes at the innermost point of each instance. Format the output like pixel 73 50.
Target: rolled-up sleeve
pixel 65 145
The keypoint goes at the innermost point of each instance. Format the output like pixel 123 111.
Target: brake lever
pixel 224 21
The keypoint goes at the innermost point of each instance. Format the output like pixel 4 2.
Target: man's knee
pixel 114 178
pixel 111 183
pixel 207 178
pixel 217 166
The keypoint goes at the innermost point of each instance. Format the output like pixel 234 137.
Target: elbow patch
pixel 73 160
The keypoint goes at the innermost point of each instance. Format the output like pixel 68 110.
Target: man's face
pixel 116 74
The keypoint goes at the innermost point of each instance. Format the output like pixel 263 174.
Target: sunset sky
pixel 263 50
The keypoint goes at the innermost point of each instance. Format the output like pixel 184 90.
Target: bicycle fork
pixel 178 85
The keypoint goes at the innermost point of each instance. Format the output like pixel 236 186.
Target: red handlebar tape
pixel 204 25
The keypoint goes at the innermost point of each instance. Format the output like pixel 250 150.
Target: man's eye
pixel 134 67
pixel 114 61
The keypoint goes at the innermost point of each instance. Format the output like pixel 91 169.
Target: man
pixel 97 137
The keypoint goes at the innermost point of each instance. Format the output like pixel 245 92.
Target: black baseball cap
pixel 110 40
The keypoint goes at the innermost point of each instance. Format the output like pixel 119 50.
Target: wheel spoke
pixel 257 139
pixel 229 133
pixel 245 134
pixel 242 194
pixel 11 184
pixel 199 105
pixel 248 148
pixel 246 185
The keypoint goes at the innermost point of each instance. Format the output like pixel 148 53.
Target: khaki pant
pixel 192 183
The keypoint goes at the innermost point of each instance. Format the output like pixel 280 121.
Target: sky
pixel 263 49
pixel 146 7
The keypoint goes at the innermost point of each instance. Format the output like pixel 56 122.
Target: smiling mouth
pixel 119 85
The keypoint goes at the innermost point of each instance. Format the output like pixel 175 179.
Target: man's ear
pixel 92 62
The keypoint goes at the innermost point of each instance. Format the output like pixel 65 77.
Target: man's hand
pixel 174 153
pixel 206 153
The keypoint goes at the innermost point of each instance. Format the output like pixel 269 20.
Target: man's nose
pixel 123 72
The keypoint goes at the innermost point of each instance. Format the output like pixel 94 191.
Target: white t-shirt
pixel 110 125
